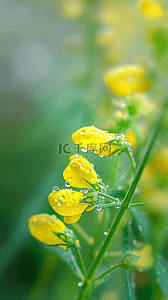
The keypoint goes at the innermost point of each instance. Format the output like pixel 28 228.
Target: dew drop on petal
pixel 60 202
pixel 55 189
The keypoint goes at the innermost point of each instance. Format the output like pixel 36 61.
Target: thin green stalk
pixel 83 234
pixel 107 272
pixel 107 196
pixel 131 159
pixel 123 208
pixel 115 163
pixel 81 262
pixel 137 204
pixel 113 254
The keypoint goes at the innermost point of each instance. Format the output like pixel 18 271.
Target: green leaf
pixel 141 221
pixel 162 274
pixel 68 257
pixel 129 285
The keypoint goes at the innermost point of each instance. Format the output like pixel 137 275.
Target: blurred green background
pixel 53 55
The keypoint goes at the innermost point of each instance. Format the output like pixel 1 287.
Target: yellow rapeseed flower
pixel 131 138
pixel 43 226
pixel 79 169
pixel 127 80
pixel 146 259
pixel 72 9
pixel 94 139
pixel 67 203
pixel 151 9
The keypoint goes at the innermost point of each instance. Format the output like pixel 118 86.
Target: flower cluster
pixel 69 203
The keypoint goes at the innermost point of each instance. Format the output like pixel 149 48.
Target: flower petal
pixel 43 226
pixel 79 169
pixel 72 219
pixel 94 139
pixel 66 202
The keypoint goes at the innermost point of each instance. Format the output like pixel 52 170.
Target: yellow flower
pixel 67 203
pixel 72 9
pixel 79 169
pixel 126 80
pixel 131 138
pixel 43 226
pixel 151 9
pixel 94 139
pixel 146 259
pixel 105 37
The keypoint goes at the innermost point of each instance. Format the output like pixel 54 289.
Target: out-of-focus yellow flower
pixel 146 259
pixel 151 9
pixel 131 138
pixel 127 80
pixel 66 203
pixel 72 9
pixel 94 139
pixel 79 169
pixel 43 226
pixel 105 37
pixel 158 165
pixel 157 201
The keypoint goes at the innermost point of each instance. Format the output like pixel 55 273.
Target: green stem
pixel 81 262
pixel 107 272
pixel 115 163
pixel 123 208
pixel 83 234
pixel 108 196
pixel 112 254
pixel 137 204
pixel 130 159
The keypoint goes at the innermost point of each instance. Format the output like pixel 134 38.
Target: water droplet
pixel 98 208
pixel 88 170
pixel 117 206
pixel 105 233
pixel 67 184
pixel 60 202
pixel 84 150
pixel 100 156
pixel 140 228
pixel 80 283
pixel 55 189
pixel 82 132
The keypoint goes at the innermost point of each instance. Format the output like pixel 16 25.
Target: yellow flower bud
pixel 79 169
pixel 151 9
pixel 146 259
pixel 67 203
pixel 94 139
pixel 127 80
pixel 43 226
